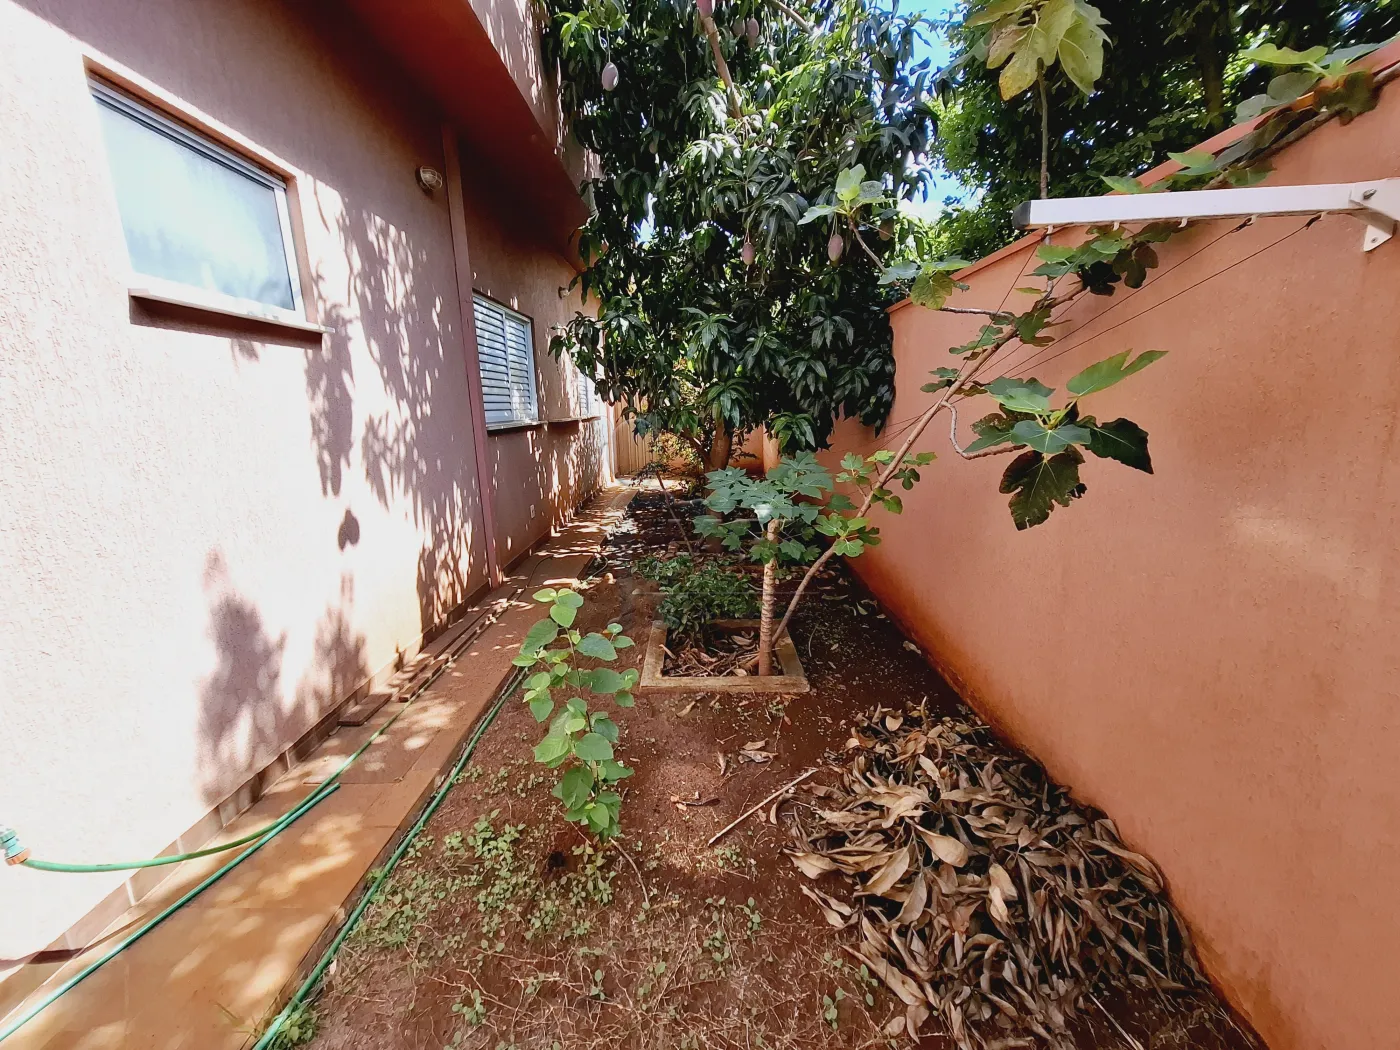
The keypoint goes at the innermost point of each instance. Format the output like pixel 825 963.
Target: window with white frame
pixel 195 215
pixel 505 346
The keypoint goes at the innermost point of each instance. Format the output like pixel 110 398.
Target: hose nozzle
pixel 14 852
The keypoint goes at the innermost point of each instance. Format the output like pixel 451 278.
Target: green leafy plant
pixel 298 1029
pixel 1045 474
pixel 1326 74
pixel 674 452
pixel 662 571
pixel 1198 170
pixel 697 598
pixel 718 310
pixel 785 526
pixel 579 741
pixel 1026 38
pixel 473 1012
pixel 1172 78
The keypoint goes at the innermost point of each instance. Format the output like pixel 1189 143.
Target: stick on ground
pixel 754 809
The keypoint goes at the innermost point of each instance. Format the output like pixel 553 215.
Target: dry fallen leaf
pixel 753 752
pixel 945 847
pixel 836 913
pixel 1001 881
pixel 890 872
pixel 998 906
pixel 813 865
pixel 682 803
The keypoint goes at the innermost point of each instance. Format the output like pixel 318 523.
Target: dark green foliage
pixel 717 310
pixel 696 598
pixel 664 571
pixel 785 495
pixel 1037 482
pixel 1119 439
pixel 1172 77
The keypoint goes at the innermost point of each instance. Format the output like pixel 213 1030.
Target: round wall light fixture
pixel 429 179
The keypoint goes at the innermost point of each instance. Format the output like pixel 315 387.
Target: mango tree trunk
pixel 765 612
pixel 721 445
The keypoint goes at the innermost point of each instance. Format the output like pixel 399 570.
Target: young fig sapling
pixel 579 741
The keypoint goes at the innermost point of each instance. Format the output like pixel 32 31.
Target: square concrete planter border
pixel 792 680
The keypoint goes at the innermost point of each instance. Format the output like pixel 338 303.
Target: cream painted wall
pixel 208 535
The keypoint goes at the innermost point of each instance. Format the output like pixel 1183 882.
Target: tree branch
pixel 999 450
pixel 671 507
pixel 736 109
pixel 802 23
pixel 980 362
pixel 1044 138
pixel 896 464
pixel 979 311
pixel 855 230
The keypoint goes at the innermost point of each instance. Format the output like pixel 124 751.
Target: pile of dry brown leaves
pixel 984 893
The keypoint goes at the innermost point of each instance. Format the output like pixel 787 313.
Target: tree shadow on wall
pixel 330 396
pixel 565 465
pixel 246 717
pixel 339 669
pixel 418 450
pixel 242 725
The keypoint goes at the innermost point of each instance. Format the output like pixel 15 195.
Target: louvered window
pixel 505 346
pixel 588 403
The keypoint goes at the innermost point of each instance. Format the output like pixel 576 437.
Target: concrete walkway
pixel 213 974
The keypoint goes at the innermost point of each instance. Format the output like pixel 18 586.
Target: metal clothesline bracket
pixel 1375 203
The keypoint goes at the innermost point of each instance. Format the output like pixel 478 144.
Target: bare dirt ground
pixel 505 930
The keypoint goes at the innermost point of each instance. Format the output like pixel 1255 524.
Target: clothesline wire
pixel 1061 351
pixel 903 425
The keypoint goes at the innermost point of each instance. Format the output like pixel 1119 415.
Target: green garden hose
pixel 18 854
pixel 269 834
pixel 15 854
pixel 381 875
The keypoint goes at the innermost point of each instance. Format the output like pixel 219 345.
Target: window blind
pixel 505 349
pixel 588 402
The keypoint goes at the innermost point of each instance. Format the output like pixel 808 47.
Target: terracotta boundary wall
pixel 1208 654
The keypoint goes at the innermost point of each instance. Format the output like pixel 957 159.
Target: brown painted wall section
pixel 1208 654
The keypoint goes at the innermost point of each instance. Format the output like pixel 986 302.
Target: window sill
pixel 193 300
pixel 518 424
pixel 566 420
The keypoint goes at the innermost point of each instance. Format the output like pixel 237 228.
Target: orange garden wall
pixel 1209 654
pixel 211 534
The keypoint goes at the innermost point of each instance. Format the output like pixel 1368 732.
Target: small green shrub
pixel 675 453
pixel 298 1029
pixel 665 572
pixel 579 741
pixel 698 598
